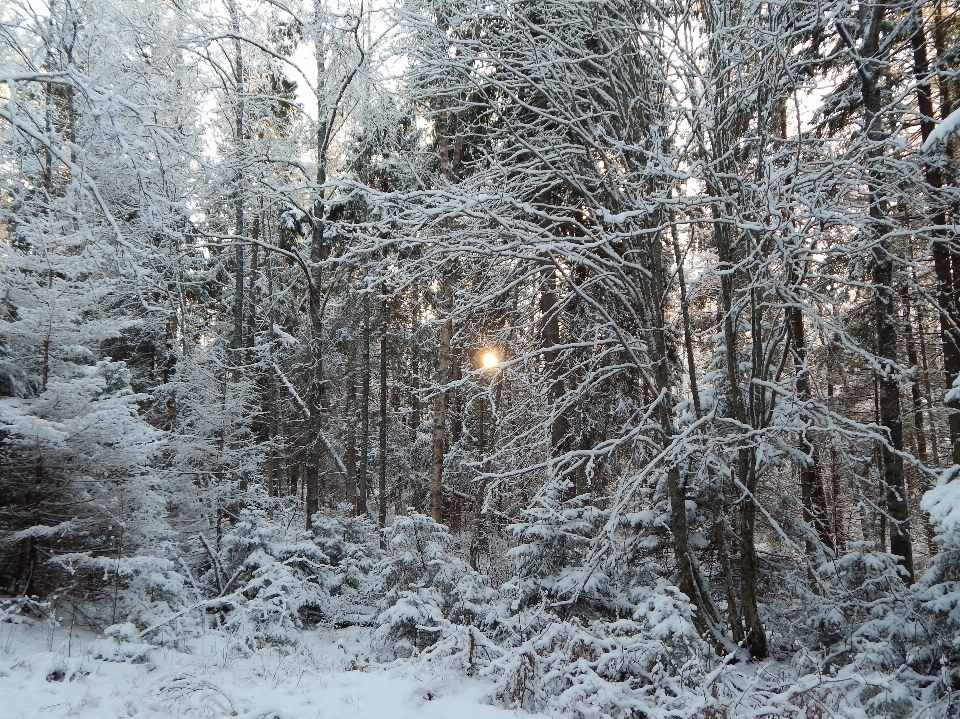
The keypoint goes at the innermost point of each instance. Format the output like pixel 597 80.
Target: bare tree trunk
pixel 839 529
pixel 755 638
pixel 661 337
pixel 319 251
pixel 382 488
pixel 362 484
pixel 168 370
pixel 550 339
pixel 477 535
pixel 438 447
pixel 685 313
pixel 927 391
pixel 869 64
pixel 945 259
pixel 414 390
pixel 919 434
pixel 350 491
pixel 250 336
pixel 723 556
pixel 238 194
pixel 811 483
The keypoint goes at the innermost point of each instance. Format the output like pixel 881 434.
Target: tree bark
pixel 920 439
pixel 945 259
pixel 351 459
pixel 238 194
pixel 362 484
pixel 811 483
pixel 549 340
pixel 438 446
pixel 755 638
pixel 382 488
pixel 869 66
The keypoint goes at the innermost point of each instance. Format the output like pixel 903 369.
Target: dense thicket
pixel 610 347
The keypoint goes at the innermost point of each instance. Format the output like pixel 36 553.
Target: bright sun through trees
pixel 489 359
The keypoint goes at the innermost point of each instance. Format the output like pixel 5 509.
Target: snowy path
pixel 312 683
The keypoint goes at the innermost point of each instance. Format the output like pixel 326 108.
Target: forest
pixel 603 352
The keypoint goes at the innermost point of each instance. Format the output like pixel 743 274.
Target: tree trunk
pixel 945 259
pixel 549 340
pixel 869 67
pixel 927 391
pixel 251 331
pixel 839 529
pixel 685 313
pixel 723 556
pixel 382 488
pixel 238 194
pixel 362 485
pixel 438 447
pixel 414 390
pixel 755 638
pixel 920 439
pixel 351 459
pixel 319 252
pixel 811 483
pixel 661 337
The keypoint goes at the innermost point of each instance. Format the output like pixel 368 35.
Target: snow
pixel 948 126
pixel 53 672
pixel 942 503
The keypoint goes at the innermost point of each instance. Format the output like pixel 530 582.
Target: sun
pixel 489 360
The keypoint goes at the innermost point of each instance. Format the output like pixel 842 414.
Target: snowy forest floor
pixel 52 672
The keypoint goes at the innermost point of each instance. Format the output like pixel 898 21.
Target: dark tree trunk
pixel 362 483
pixel 811 483
pixel 945 259
pixel 438 446
pixel 382 488
pixel 549 340
pixel 755 638
pixel 869 66
pixel 920 438
pixel 351 459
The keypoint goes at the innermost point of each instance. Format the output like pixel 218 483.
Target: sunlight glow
pixel 489 360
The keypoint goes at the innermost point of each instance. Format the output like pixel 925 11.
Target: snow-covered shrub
pixel 17 609
pixel 75 461
pixel 550 560
pixel 259 586
pixel 266 576
pixel 156 598
pixel 425 587
pixel 664 616
pixel 120 643
pixel 939 589
pixel 554 541
pixel 619 669
pixel 866 631
pixel 413 621
pixel 864 613
pixel 352 551
pixel 148 596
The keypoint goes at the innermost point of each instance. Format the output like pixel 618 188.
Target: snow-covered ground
pixel 50 672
